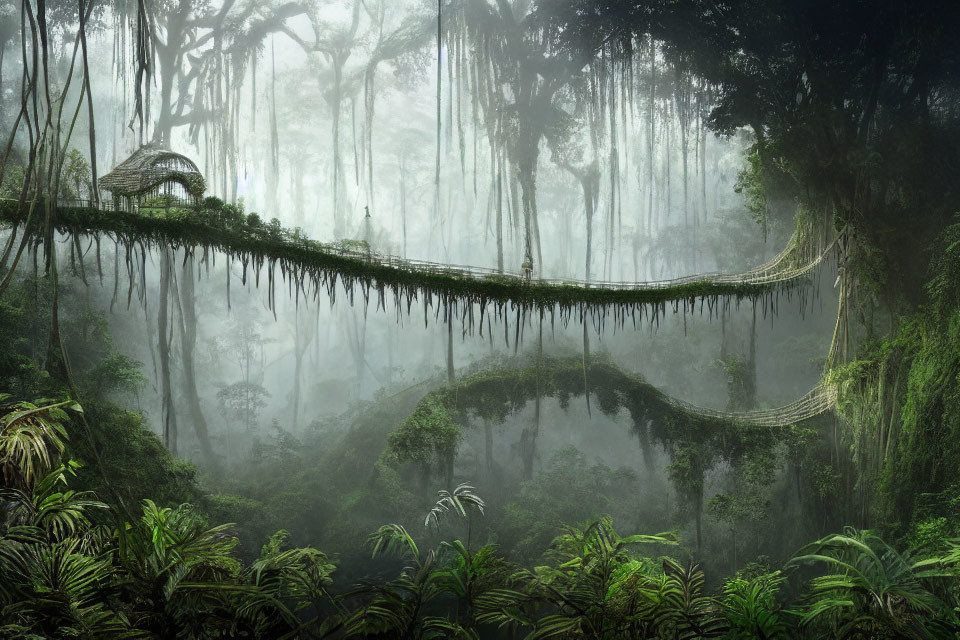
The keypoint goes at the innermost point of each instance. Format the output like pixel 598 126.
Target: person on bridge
pixel 527 268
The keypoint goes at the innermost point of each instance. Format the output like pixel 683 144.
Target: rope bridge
pixel 436 424
pixel 819 400
pixel 303 261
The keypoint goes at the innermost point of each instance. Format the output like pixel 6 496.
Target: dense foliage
pixel 852 112
pixel 74 567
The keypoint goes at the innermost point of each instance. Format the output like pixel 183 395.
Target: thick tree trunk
pixel 337 99
pixel 168 64
pixel 528 193
pixel 94 192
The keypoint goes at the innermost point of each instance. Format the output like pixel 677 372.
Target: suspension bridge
pixel 821 399
pixel 303 261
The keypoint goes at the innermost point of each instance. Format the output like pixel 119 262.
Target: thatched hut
pixel 154 175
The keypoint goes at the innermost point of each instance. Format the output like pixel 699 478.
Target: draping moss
pixel 309 267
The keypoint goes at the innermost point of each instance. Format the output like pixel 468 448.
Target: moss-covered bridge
pixel 308 267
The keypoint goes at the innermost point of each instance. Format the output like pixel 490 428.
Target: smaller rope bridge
pixel 820 399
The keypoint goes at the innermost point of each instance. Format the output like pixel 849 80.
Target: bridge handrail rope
pixel 777 270
pixel 819 400
pixel 770 272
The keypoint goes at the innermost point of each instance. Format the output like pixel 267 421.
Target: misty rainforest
pixel 480 319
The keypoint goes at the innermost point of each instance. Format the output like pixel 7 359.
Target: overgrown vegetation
pixel 72 566
pixel 847 115
pixel 313 267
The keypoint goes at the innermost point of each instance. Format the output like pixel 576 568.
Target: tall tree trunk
pixel 163 334
pixel 436 179
pixel 588 201
pixel 168 67
pixel 652 141
pixel 586 361
pixel 300 343
pixel 450 371
pixel 666 153
pixel 94 191
pixel 499 179
pixel 528 195
pixel 273 176
pixel 3 50
pixel 188 343
pixel 403 201
pixel 703 163
pixel 535 431
pixel 336 100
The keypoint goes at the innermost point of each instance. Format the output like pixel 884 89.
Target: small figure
pixel 527 268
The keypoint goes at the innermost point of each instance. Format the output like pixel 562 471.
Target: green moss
pixel 750 184
pixel 129 461
pixel 900 402
pixel 217 226
pixel 435 427
pixel 431 430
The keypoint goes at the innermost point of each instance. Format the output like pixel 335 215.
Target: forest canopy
pixel 479 318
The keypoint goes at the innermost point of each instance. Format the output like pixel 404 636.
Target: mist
pixel 476 318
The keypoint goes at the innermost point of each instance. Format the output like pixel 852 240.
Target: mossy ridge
pixel 303 261
pixel 432 433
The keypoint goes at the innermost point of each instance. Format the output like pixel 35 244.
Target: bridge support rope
pixel 305 262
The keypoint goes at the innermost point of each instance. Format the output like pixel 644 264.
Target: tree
pixel 76 182
pixel 368 31
pixel 243 401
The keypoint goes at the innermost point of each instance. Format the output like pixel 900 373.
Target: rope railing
pixel 769 273
pixel 819 400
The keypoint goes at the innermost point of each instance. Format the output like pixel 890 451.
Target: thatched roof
pixel 149 167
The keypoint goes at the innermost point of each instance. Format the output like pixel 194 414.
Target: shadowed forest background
pixel 479 319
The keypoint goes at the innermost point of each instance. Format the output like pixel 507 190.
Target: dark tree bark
pixel 94 191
